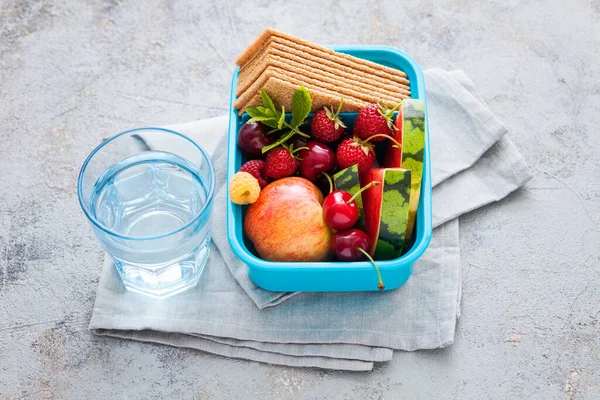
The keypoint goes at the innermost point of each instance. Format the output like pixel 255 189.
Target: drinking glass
pixel 148 195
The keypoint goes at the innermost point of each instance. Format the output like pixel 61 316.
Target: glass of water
pixel 148 194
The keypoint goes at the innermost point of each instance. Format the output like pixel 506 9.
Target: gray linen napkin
pixel 473 162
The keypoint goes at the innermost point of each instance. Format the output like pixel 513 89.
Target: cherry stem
pixel 298 149
pixel 329 180
pixel 380 285
pixel 385 136
pixel 362 189
pixel 304 135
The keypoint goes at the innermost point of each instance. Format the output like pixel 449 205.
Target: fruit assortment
pixel 317 189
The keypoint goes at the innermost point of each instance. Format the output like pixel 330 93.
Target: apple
pixel 286 222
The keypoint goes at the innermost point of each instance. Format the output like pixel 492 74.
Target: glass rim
pixel 99 225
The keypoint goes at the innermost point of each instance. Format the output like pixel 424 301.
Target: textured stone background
pixel 72 73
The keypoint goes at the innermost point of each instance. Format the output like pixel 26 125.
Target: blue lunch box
pixel 334 276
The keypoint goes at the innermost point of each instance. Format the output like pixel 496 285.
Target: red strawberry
pixel 256 168
pixel 354 151
pixel 326 125
pixel 373 120
pixel 280 163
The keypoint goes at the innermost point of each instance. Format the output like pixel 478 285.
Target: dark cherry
pixel 297 141
pixel 323 184
pixel 315 160
pixel 252 138
pixel 353 245
pixel 345 244
pixel 340 210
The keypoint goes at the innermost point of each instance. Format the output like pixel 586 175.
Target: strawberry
pixel 256 168
pixel 373 120
pixel 280 162
pixel 354 151
pixel 326 125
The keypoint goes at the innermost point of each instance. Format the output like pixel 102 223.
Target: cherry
pixel 345 244
pixel 340 210
pixel 353 245
pixel 252 138
pixel 315 160
pixel 324 182
pixel 298 141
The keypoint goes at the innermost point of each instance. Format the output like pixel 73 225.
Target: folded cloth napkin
pixel 473 164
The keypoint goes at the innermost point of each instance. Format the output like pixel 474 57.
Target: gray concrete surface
pixel 72 73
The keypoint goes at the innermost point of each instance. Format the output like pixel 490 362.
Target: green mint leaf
pixel 260 119
pixel 264 110
pixel 301 104
pixel 271 123
pixel 263 115
pixel 266 100
pixel 276 115
pixel 254 112
pixel 281 118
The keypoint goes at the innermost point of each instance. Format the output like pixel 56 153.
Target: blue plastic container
pixel 334 276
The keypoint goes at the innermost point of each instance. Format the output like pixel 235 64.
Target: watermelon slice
pixel 386 209
pixel 413 149
pixel 349 181
pixel 393 153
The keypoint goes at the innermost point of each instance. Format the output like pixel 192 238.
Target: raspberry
pixel 256 168
pixel 243 188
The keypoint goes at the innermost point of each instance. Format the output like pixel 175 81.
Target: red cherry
pixel 340 210
pixel 315 160
pixel 252 137
pixel 345 244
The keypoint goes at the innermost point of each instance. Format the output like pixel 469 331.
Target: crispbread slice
pixel 320 51
pixel 292 50
pixel 300 79
pixel 290 62
pixel 254 47
pixel 281 93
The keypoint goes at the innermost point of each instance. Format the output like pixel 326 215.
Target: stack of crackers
pixel 280 63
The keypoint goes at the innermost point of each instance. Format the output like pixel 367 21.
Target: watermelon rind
pixel 395 207
pixel 413 150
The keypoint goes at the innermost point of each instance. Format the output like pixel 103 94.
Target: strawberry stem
pixel 329 180
pixel 335 117
pixel 380 285
pixel 340 106
pixel 385 136
pixel 388 114
pixel 362 189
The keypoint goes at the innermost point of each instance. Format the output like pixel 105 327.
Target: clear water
pixel 147 197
